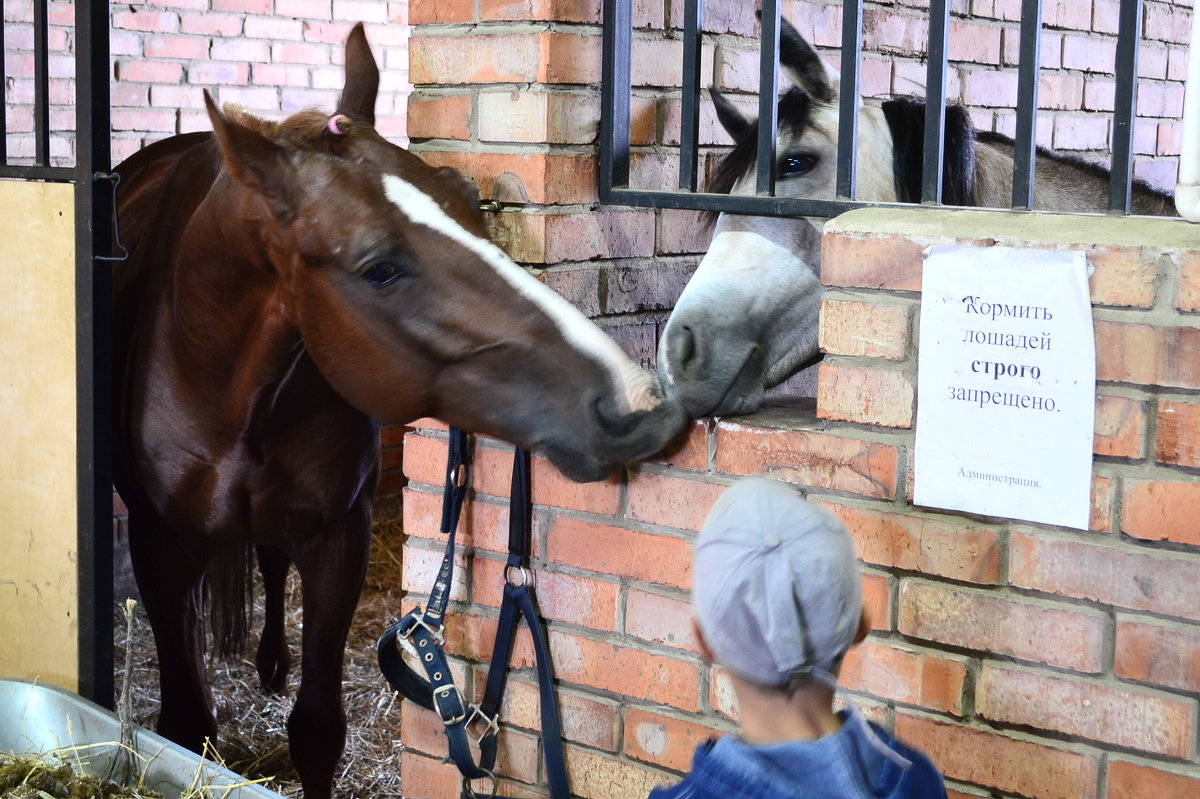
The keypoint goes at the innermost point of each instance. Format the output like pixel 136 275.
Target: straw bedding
pixel 253 724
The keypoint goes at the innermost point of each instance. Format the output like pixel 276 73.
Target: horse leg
pixel 332 575
pixel 273 658
pixel 172 591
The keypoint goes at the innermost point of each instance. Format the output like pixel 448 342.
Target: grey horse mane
pixel 1080 163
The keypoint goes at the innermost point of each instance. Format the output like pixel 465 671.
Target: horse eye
pixel 382 273
pixel 798 164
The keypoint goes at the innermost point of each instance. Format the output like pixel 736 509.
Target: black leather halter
pixel 437 691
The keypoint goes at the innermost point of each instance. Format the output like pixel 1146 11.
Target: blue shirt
pixel 845 765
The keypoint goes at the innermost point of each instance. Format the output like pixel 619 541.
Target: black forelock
pixel 794 116
pixel 906 122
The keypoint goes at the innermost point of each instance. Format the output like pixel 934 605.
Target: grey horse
pixel 747 320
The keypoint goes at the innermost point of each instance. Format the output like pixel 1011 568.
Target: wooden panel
pixel 38 575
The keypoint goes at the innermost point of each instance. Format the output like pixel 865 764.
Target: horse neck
pixel 230 322
pixel 875 173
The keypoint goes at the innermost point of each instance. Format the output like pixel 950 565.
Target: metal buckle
pixel 419 621
pixel 491 723
pixel 446 690
pixel 526 576
pixel 469 791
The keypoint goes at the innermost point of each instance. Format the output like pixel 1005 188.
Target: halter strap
pixel 438 692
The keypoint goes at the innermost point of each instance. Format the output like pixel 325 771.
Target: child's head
pixel 776 586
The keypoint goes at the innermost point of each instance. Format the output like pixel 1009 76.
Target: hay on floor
pixel 253 724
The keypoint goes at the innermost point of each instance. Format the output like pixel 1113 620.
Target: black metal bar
pixel 689 121
pixel 1129 31
pixel 753 205
pixel 614 151
pixel 3 83
pixel 614 95
pixel 768 103
pixel 849 101
pixel 61 174
pixel 41 83
pixel 935 101
pixel 1025 148
pixel 93 351
pixel 757 205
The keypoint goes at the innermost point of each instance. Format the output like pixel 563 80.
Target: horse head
pixel 383 266
pixel 747 320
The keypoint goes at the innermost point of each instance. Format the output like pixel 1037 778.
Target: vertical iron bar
pixel 689 123
pixel 849 101
pixel 41 83
pixel 93 351
pixel 3 85
pixel 1025 152
pixel 935 101
pixel 614 95
pixel 768 101
pixel 1125 105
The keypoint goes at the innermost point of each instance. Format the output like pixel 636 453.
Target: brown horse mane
pixel 303 130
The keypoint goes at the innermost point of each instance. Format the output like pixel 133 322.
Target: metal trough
pixel 36 719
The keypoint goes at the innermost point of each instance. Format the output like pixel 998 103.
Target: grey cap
pixel 776 584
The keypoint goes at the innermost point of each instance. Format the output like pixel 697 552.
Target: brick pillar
pixel 508 93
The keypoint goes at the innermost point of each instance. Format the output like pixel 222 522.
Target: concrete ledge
pixel 1025 229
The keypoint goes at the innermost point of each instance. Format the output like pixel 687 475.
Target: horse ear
pixel 362 79
pixel 728 115
pixel 251 158
pixel 806 69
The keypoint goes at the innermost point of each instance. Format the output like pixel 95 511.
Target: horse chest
pixel 261 487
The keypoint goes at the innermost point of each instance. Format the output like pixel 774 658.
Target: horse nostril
pixel 609 419
pixel 681 350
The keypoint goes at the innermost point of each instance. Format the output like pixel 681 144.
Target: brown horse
pixel 288 285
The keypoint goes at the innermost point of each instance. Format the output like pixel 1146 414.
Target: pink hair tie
pixel 333 124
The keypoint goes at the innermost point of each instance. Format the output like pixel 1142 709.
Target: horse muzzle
pixel 611 438
pixel 712 371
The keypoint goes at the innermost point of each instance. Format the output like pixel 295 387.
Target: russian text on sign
pixel 1006 384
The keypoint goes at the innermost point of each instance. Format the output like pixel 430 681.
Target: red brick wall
pixel 1027 660
pixel 272 57
pixel 1085 640
pixel 1005 650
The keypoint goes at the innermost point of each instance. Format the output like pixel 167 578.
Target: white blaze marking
pixel 634 385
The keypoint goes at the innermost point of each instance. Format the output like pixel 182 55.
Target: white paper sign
pixel 1006 384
